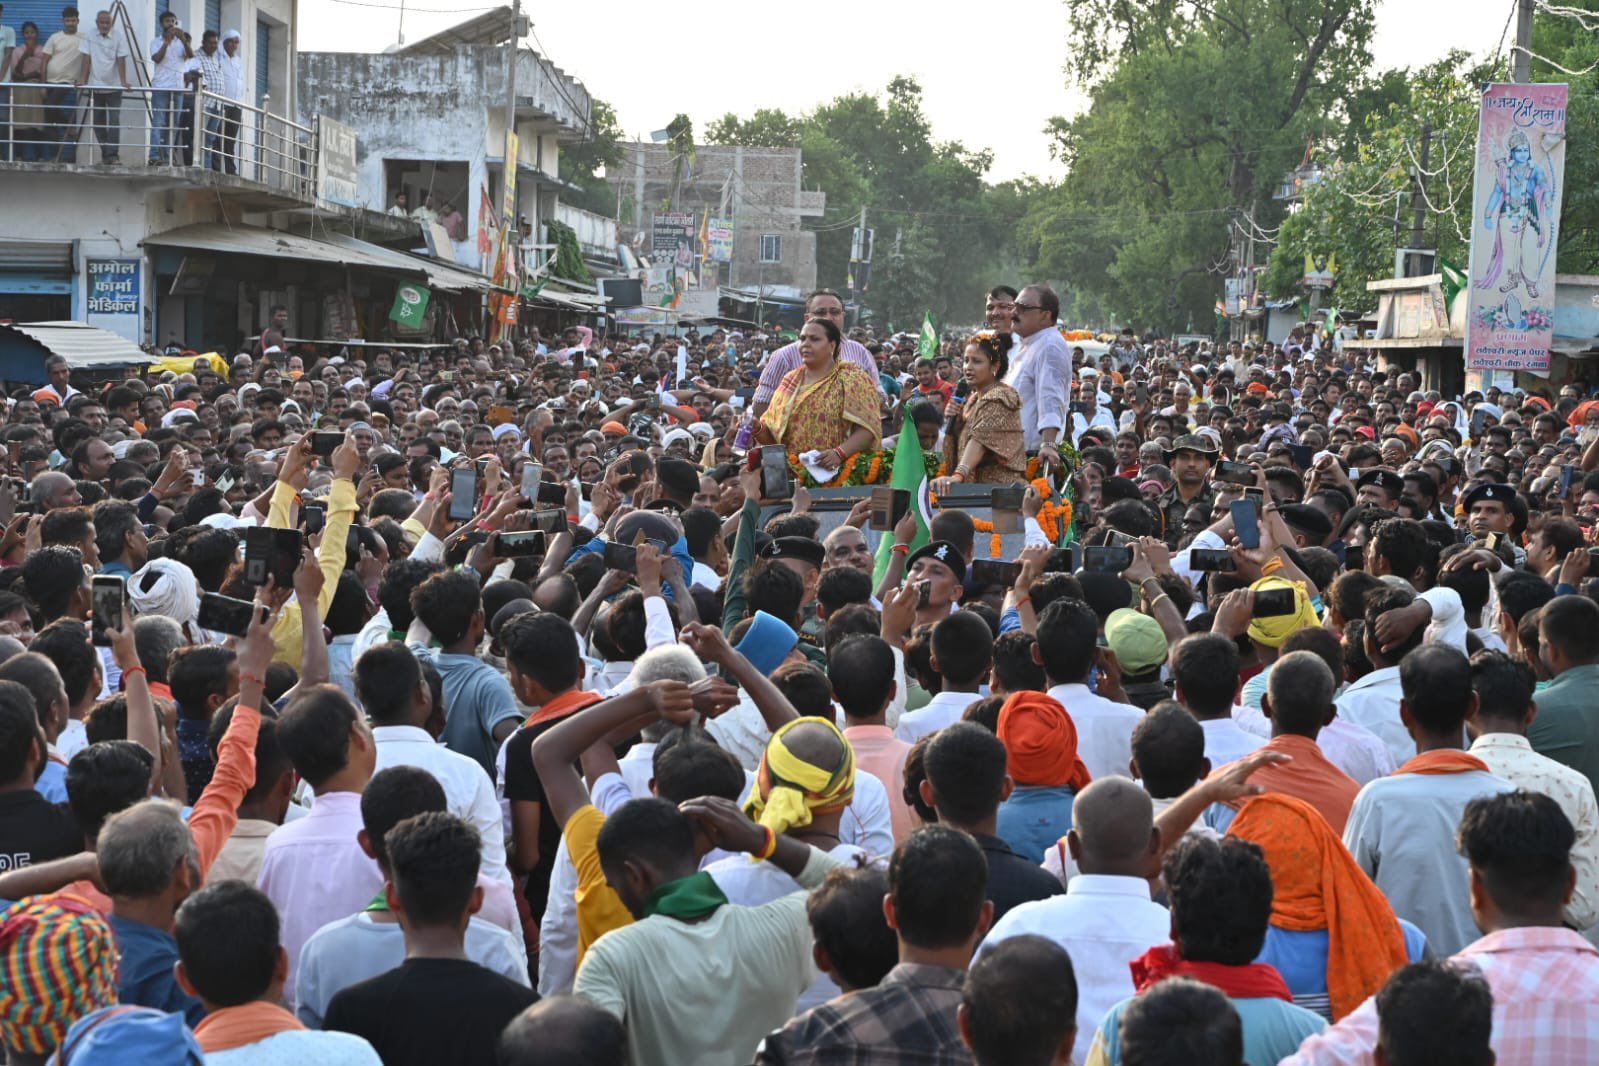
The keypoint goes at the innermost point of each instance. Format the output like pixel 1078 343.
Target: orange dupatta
pixel 248 1023
pixel 1443 761
pixel 1316 884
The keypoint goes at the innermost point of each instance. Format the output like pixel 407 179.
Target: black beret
pixel 940 551
pixel 682 478
pixel 804 549
pixel 1307 520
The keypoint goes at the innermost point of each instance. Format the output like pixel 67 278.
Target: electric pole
pixel 1521 58
pixel 1418 204
pixel 510 73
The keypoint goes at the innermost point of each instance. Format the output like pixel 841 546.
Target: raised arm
pixel 217 811
pixel 711 645
pixel 557 751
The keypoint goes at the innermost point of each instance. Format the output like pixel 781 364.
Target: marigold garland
pixel 862 468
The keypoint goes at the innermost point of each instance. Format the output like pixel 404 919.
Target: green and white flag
pixel 410 304
pixel 927 342
pixel 909 473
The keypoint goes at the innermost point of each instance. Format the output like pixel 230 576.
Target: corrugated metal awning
pixel 336 248
pixel 83 347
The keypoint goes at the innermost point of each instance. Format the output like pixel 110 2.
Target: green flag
pixel 1454 280
pixel 910 474
pixel 927 342
pixel 410 304
pixel 531 290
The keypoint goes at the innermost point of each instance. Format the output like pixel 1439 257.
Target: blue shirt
pixel 52 784
pixel 1035 818
pixel 1273 1029
pixel 1301 957
pixel 477 698
pixel 145 976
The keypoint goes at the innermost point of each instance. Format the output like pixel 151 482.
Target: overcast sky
pixel 991 77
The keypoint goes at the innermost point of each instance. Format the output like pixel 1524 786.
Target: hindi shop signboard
pixel 337 180
pixel 719 234
pixel 113 300
pixel 668 233
pixel 1520 170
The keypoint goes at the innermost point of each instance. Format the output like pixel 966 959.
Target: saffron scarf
pixel 248 1023
pixel 688 899
pixel 1443 761
pixel 1253 981
pixel 562 705
pixel 1316 884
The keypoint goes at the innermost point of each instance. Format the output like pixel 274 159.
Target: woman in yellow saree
pixel 827 405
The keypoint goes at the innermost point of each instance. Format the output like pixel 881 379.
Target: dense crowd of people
pixel 527 703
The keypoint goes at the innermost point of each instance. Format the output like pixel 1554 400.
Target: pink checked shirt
pixel 1545 984
pixel 787 358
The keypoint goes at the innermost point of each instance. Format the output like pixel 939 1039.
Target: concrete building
pixel 759 189
pixel 431 119
pixel 195 248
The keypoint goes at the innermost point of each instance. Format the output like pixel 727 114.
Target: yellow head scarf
pixel 1274 629
pixel 789 790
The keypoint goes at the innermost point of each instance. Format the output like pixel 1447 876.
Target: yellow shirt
pixel 599 908
pixel 288 633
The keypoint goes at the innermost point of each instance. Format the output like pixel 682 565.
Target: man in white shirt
pixel 1373 700
pixel 169 55
pixel 963 651
pixel 1106 918
pixel 1067 648
pixel 398 702
pixel 233 90
pixel 1087 411
pixel 67 71
pixel 1041 371
pixel 1205 667
pixel 108 66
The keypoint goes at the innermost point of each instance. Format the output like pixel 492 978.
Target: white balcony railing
pixel 141 128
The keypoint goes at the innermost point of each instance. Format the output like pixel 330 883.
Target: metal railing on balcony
pixel 141 128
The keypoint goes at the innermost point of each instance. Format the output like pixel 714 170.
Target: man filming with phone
pixel 293 476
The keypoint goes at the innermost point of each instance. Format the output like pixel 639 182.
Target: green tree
pixel 942 229
pixel 581 163
pixel 1196 112
pixel 1573 42
pixel 1360 211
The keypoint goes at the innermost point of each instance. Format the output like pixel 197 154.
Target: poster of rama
pixel 1521 155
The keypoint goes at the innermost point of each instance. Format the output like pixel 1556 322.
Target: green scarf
pixel 380 902
pixel 687 899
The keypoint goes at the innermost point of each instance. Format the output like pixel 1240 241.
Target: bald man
pixel 1106 918
pixel 846 546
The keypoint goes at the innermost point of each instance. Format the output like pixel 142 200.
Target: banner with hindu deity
pixel 1521 157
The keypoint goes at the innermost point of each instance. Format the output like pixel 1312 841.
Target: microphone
pixel 956 402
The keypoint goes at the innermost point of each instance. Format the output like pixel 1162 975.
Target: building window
pixel 771 247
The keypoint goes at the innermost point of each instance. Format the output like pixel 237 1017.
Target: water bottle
pixel 746 433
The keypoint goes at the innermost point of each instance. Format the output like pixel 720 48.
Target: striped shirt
pixel 787 358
